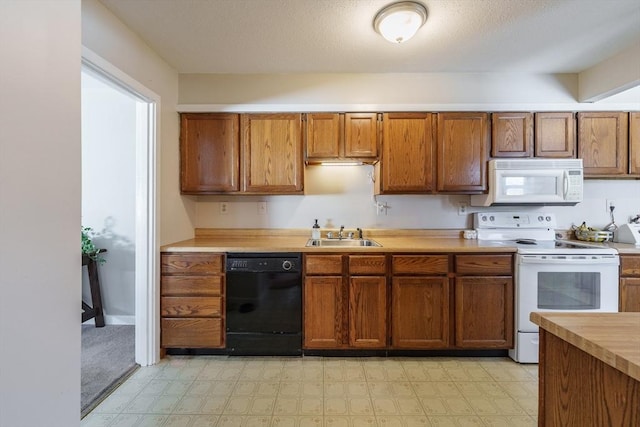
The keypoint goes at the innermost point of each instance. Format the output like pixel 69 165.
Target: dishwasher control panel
pixel 264 262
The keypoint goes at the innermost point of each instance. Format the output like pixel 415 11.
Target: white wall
pixel 40 213
pixel 343 195
pixel 108 192
pixel 108 37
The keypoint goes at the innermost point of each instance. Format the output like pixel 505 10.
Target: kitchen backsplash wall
pixel 343 195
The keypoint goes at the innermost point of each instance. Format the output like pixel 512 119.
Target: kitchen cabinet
pixel 367 301
pixel 462 152
pixel 511 134
pixel 634 143
pixel 407 162
pixel 603 143
pixel 192 300
pixel 345 301
pixel 484 301
pixel 420 303
pixel 272 153
pixel 324 303
pixel 629 282
pixel 555 134
pixel 209 153
pixel 342 136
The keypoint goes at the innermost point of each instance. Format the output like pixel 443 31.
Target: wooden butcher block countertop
pixel 270 240
pixel 613 338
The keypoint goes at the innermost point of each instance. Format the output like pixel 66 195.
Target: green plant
pixel 88 247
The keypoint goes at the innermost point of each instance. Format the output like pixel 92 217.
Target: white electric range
pixel 550 274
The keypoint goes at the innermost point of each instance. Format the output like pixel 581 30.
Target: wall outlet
pixel 610 204
pixel 463 208
pixel 262 208
pixel 224 208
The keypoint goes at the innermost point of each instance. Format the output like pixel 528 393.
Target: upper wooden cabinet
pixel 341 136
pixel 407 162
pixel 555 135
pixel 602 142
pixel 209 153
pixel 463 150
pixel 634 143
pixel 272 153
pixel 511 134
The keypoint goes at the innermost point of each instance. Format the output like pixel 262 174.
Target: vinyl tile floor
pixel 199 391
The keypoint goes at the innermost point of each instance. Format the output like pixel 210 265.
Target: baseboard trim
pixel 114 320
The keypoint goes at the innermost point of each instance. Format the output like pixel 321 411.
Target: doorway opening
pixel 136 248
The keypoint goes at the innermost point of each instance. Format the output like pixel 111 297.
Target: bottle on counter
pixel 315 230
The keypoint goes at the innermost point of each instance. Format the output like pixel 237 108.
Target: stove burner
pixel 526 241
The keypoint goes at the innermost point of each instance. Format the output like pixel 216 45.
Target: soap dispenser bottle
pixel 315 231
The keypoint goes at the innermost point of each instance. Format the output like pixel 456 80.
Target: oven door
pixel 564 283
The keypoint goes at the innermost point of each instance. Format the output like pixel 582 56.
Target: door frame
pixel 147 276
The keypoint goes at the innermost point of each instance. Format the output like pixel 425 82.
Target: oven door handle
pixel 571 261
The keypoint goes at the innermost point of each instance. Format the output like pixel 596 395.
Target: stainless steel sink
pixel 337 243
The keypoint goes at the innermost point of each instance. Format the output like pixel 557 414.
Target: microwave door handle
pixel 566 184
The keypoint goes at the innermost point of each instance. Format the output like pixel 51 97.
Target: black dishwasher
pixel 264 304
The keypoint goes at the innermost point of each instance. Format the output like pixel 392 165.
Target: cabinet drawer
pixel 420 264
pixel 323 264
pixel 484 264
pixel 630 265
pixel 367 264
pixel 191 285
pixel 191 263
pixel 192 333
pixel 190 306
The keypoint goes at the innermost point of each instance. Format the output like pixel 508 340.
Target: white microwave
pixel 532 182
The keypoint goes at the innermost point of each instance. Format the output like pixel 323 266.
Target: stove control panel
pixel 514 220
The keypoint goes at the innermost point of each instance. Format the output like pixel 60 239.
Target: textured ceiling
pixel 336 36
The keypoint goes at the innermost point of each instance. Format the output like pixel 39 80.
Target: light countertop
pixel 294 240
pixel 613 338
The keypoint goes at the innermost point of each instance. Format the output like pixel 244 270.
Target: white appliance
pixel 627 233
pixel 551 275
pixel 532 182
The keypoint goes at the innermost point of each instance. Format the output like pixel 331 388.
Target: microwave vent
pixel 522 164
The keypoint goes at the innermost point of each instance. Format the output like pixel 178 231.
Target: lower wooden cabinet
pixel 484 312
pixel 368 312
pixel 192 300
pixel 421 302
pixel 629 282
pixel 420 312
pixel 484 301
pixel 345 301
pixel 324 308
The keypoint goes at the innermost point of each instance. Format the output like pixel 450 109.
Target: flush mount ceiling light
pixel 398 22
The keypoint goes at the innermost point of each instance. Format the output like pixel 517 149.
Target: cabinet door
pixel 324 311
pixel 361 135
pixel 484 312
pixel 407 161
pixel 555 135
pixel 634 143
pixel 602 142
pixel 209 153
pixel 420 312
pixel 324 135
pixel 511 134
pixel 630 294
pixel 463 150
pixel 367 312
pixel 272 157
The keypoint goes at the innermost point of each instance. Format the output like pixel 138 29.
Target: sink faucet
pixel 340 232
pixel 359 233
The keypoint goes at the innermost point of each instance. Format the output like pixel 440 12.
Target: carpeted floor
pixel 108 358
